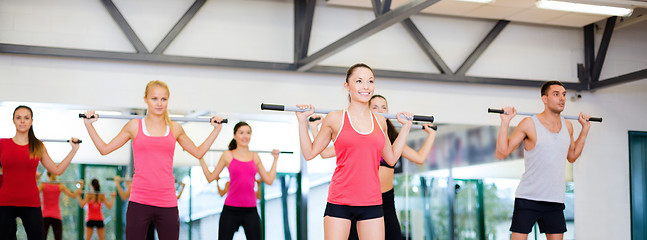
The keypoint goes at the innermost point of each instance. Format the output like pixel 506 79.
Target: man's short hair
pixel 546 86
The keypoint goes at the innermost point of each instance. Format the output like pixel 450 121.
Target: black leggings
pixel 391 224
pixel 32 220
pixel 150 235
pixel 139 216
pixel 232 218
pixel 57 227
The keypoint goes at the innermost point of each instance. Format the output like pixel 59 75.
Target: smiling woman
pixel 360 140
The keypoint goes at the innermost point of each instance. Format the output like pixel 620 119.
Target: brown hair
pixel 233 145
pixel 546 85
pixel 35 145
pixel 390 129
pixel 351 69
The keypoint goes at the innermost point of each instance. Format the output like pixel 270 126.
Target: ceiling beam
pixel 589 54
pixel 140 57
pixel 625 78
pixel 179 26
pixel 303 14
pixel 602 51
pixel 378 24
pixel 124 26
pixel 489 38
pixel 444 78
pixel 426 47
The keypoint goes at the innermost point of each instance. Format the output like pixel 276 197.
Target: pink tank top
pixel 51 196
pixel 153 182
pixel 94 211
pixel 242 178
pixel 355 181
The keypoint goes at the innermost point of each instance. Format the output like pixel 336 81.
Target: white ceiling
pixel 512 10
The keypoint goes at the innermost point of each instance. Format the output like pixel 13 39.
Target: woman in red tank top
pixel 159 128
pixel 51 209
pixel 243 165
pixel 19 195
pixel 94 217
pixel 359 138
pixel 378 104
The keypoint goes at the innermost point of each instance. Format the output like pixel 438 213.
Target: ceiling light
pixel 583 8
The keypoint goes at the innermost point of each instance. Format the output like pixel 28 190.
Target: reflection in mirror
pixel 462 191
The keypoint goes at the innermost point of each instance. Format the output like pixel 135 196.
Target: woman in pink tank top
pixel 51 208
pixel 153 138
pixel 94 218
pixel 360 140
pixel 240 204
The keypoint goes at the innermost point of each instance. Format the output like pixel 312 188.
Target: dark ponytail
pixel 35 145
pixel 95 185
pixel 97 188
pixel 390 129
pixel 232 144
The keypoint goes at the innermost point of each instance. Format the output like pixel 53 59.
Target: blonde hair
pixel 158 83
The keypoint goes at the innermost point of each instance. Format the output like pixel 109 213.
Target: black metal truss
pixel 485 43
pixel 588 73
pixel 378 24
pixel 179 26
pixel 125 27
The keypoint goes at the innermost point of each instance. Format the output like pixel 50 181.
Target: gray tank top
pixel 544 178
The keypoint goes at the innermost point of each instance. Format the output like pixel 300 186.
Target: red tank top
pixel 94 211
pixel 51 196
pixel 355 181
pixel 241 184
pixel 19 172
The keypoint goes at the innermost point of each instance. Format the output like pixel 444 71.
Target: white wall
pixel 522 51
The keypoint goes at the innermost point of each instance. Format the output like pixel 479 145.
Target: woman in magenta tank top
pixel 153 138
pixel 94 218
pixel 19 196
pixel 240 204
pixel 360 141
pixel 51 208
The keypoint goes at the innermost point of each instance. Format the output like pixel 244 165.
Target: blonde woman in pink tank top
pixel 153 138
pixel 360 140
pixel 243 165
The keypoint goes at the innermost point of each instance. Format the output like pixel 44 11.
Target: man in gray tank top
pixel 548 141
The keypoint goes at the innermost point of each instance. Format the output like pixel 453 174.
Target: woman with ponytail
pixel 240 204
pixel 94 219
pixel 360 140
pixel 19 196
pixel 153 139
pixel 386 172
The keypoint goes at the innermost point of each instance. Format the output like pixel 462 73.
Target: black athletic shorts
pixel 94 224
pixel 357 213
pixel 549 216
